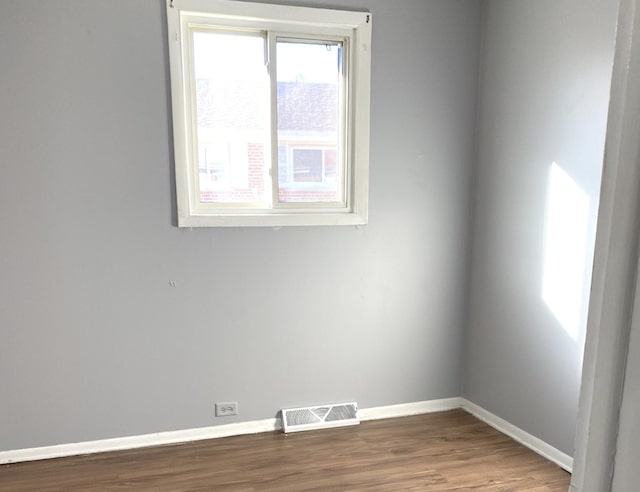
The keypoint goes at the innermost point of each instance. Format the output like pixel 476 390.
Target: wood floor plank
pixel 447 451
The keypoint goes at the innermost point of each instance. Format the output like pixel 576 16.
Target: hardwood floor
pixel 435 452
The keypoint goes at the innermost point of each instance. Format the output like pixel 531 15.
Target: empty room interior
pixel 466 291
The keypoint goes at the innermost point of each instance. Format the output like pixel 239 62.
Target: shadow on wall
pixel 566 251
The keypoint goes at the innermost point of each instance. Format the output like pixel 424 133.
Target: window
pixel 270 113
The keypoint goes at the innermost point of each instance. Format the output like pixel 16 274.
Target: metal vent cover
pixel 319 417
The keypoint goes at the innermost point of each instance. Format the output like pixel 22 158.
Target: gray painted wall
pixel 95 343
pixel 544 93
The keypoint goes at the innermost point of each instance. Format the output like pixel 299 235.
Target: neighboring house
pixel 231 128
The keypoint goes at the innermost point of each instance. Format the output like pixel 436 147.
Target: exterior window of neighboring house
pixel 308 174
pixel 213 165
pixel 270 113
pixel 308 166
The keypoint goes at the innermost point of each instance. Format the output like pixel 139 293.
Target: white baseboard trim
pixel 407 409
pixel 269 425
pixel 545 450
pixel 142 441
pixel 190 435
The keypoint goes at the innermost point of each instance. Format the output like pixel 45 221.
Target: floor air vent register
pixel 320 417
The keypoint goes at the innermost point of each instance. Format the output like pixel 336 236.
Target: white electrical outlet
pixel 227 408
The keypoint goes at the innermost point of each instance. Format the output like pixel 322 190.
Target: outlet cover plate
pixel 225 409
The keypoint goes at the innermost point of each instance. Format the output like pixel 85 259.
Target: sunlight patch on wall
pixel 565 249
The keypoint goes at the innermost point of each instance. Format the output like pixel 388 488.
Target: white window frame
pixel 305 22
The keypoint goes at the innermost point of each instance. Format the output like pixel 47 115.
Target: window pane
pixel 232 104
pixel 308 91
